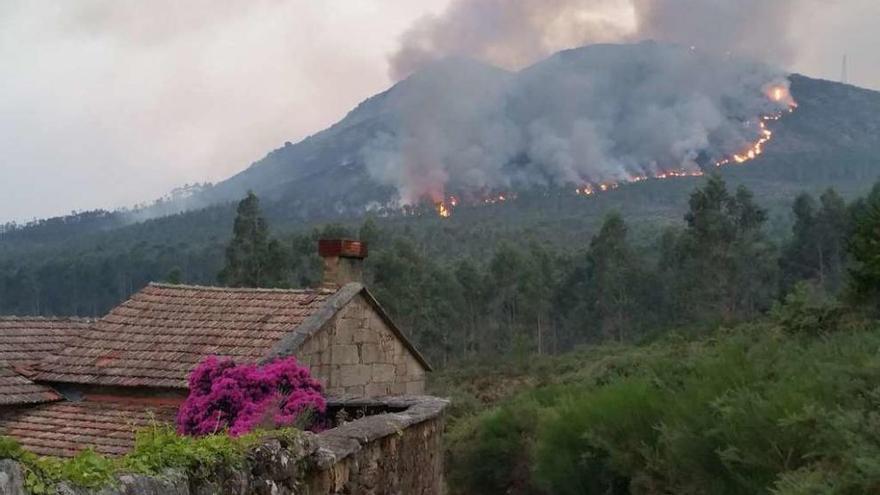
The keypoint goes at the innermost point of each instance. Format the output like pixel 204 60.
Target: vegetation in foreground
pixel 784 404
pixel 777 407
pixel 157 449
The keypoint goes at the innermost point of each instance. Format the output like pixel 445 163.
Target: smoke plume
pixel 603 113
pixel 515 33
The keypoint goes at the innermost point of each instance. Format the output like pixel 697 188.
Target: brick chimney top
pixel 343 261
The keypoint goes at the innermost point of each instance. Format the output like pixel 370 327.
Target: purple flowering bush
pixel 224 396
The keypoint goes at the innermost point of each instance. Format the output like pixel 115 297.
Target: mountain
pixel 833 135
pixel 88 262
pixel 831 139
pixel 331 162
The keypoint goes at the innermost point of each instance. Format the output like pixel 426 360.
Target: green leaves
pixel 252 258
pixel 157 448
pixel 864 247
pixel 753 410
pixel 721 267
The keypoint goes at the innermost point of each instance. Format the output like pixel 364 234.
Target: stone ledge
pixel 347 439
pixel 276 466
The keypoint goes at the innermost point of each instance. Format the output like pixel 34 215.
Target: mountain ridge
pixel 835 132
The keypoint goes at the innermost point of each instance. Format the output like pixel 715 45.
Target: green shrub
pixel 491 452
pixel 806 310
pixel 586 442
pixel 88 469
pixel 755 410
pixel 157 449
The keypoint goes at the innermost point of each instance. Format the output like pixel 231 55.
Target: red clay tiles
pixel 159 335
pixel 26 340
pixel 64 428
pixel 23 342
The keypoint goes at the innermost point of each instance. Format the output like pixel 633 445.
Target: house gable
pixel 358 354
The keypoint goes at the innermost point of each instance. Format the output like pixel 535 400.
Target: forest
pixel 490 289
pixel 714 362
pixel 722 351
pixel 729 366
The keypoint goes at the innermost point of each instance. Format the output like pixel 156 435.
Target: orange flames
pixel 443 210
pixel 776 93
pixel 445 207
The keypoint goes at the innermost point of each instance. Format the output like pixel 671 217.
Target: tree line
pixel 719 267
pixel 501 294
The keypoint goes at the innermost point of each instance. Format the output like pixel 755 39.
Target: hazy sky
pixel 105 103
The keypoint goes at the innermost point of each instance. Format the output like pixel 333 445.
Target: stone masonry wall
pixel 397 453
pixel 356 354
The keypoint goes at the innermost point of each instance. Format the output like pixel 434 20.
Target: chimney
pixel 343 261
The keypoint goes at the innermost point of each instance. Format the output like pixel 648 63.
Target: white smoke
pixel 604 113
pixel 515 33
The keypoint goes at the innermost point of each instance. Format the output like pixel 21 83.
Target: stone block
pixel 377 323
pixel 371 354
pixel 352 375
pixel 398 388
pixel 412 363
pixel 383 373
pixel 308 347
pixel 366 336
pixel 356 391
pixel 415 388
pixel 355 309
pixel 400 369
pixel 345 354
pixel 378 389
pixel 11 478
pixel 170 483
pixel 347 330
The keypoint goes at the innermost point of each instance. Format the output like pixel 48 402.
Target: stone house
pixel 129 368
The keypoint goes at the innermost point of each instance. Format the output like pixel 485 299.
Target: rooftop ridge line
pixel 163 285
pixel 48 319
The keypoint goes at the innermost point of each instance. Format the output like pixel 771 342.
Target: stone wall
pixel 356 354
pixel 395 453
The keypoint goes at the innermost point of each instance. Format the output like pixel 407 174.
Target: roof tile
pixel 159 335
pixel 24 341
pixel 64 428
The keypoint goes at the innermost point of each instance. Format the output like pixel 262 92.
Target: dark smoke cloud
pixel 515 33
pixel 604 113
pixel 592 115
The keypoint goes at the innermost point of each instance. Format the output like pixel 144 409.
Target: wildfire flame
pixel 777 94
pixel 443 210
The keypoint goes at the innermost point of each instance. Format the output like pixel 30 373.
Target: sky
pixel 110 103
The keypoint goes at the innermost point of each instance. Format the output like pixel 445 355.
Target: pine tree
pixel 614 275
pixel 604 290
pixel 864 247
pixel 816 251
pixel 252 258
pixel 725 265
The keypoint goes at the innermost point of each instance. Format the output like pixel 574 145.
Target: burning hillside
pixel 593 118
pixel 777 93
pixel 422 140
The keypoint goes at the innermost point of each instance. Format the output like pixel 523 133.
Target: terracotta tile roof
pixel 158 336
pixel 64 428
pixel 16 389
pixel 25 340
